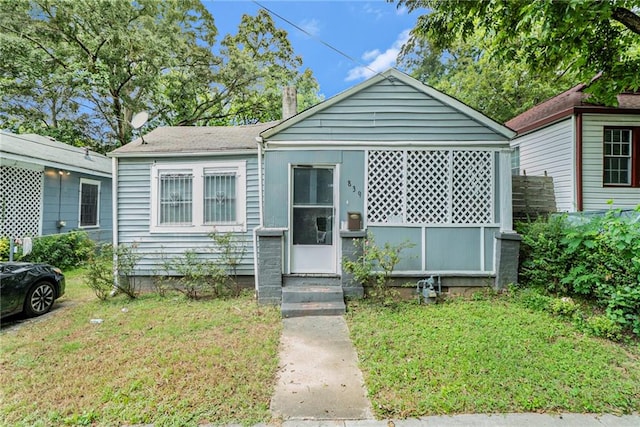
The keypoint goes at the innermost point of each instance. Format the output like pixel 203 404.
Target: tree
pixel 582 37
pixel 470 72
pixel 94 63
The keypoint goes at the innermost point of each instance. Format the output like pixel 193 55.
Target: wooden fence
pixel 533 196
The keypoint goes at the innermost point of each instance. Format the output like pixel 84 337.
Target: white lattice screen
pixel 21 190
pixel 430 187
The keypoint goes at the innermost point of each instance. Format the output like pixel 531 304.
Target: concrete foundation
pixel 269 279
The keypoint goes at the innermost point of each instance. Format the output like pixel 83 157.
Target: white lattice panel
pixel 385 199
pixel 21 190
pixel 428 187
pixel 472 189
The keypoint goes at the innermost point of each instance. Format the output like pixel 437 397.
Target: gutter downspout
pixel 260 141
pixel 579 201
pixel 114 214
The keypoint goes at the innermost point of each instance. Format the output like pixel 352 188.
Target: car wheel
pixel 39 299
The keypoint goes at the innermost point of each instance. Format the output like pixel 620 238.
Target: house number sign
pixel 355 190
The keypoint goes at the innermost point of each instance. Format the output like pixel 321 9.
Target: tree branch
pixel 627 18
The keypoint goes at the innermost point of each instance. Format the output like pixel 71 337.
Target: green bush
pixel 598 259
pixel 604 327
pixel 68 250
pixel 373 268
pixel 100 273
pixel 564 306
pixel 4 249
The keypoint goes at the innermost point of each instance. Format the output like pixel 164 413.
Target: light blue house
pixel 180 184
pixel 415 164
pixel 48 187
pixel 390 156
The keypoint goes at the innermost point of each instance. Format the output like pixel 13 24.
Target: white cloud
pixel 377 61
pixel 368 9
pixel 371 54
pixel 311 26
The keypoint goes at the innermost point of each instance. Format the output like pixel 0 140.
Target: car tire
pixel 39 299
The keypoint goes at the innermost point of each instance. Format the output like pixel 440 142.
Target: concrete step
pixel 311 293
pixel 301 309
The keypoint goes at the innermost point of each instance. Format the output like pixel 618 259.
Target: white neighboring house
pixel 592 152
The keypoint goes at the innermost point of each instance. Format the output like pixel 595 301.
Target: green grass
pixel 487 356
pixel 168 361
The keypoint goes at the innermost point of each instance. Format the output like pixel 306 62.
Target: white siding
pixel 595 195
pixel 551 150
pixel 134 217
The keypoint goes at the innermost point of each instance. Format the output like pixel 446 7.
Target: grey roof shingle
pixel 42 150
pixel 195 139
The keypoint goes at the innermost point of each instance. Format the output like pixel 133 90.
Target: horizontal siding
pixel 551 150
pixel 61 201
pixel 389 111
pixel 595 195
pixel 134 217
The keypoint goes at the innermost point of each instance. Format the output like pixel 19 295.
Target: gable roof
pixel 391 75
pixel 566 104
pixel 45 151
pixel 190 140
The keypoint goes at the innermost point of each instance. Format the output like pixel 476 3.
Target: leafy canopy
pixel 583 37
pixel 79 70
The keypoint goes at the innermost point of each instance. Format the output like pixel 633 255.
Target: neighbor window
pixel 89 202
pixel 620 155
pixel 198 197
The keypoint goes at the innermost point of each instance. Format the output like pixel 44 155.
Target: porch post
pixel 269 280
pixel 352 250
pixel 507 241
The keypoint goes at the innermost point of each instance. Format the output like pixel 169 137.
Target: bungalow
pixel 390 156
pixel 592 152
pixel 49 187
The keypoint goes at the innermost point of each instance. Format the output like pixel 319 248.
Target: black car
pixel 29 288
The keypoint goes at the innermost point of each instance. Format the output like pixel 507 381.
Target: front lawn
pixel 167 361
pixel 485 356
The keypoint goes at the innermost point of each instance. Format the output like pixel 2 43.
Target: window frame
pixel 634 157
pixel 198 171
pixel 96 183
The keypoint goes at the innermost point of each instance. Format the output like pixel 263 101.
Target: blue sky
pixel 371 32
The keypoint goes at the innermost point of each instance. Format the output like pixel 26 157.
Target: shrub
pixel 598 259
pixel 564 306
pixel 373 268
pixel 4 249
pixel 68 250
pixel 100 273
pixel 196 275
pixel 603 326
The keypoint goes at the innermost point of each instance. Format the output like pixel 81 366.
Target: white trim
pixel 289 216
pixel 54 165
pixel 362 145
pixel 444 273
pixel 482 241
pixel 177 154
pixel 198 169
pixel 506 209
pixel 97 184
pixel 443 225
pixel 114 201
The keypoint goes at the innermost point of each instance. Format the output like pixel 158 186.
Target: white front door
pixel 313 240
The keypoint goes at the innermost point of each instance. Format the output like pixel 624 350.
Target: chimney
pixel 289 102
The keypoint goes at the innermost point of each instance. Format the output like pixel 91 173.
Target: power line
pixel 318 39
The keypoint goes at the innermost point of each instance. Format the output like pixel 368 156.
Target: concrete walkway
pixel 318 378
pixel 320 385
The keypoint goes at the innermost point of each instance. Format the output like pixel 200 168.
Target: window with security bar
pixel 89 202
pixel 198 197
pixel 219 197
pixel 430 187
pixel 176 197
